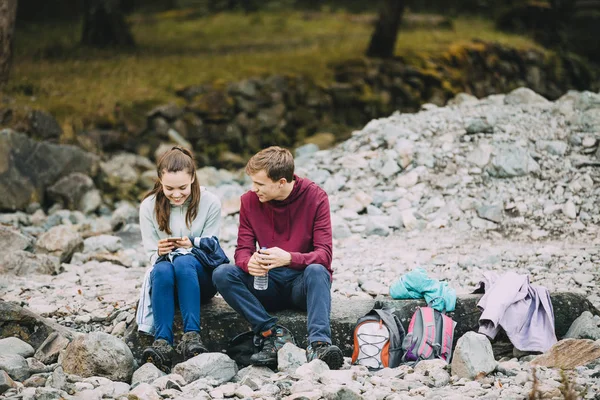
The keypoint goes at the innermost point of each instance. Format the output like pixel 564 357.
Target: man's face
pixel 265 188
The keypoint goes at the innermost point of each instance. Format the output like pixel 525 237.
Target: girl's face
pixel 176 186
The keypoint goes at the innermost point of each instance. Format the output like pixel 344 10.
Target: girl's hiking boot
pixel 160 354
pixel 191 345
pixel 332 355
pixel 271 341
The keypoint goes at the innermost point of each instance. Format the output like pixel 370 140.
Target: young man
pixel 289 217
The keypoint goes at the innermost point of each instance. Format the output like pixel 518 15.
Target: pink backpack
pixel 430 335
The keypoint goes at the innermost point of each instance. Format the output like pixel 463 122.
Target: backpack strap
pixel 447 337
pixel 425 347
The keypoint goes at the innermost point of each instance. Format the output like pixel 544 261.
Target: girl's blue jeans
pixel 185 280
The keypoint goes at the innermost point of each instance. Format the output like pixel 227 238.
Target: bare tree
pixel 104 25
pixel 8 13
pixel 383 40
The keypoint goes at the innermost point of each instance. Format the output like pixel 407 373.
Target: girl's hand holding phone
pixel 167 245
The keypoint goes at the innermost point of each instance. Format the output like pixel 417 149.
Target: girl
pixel 173 218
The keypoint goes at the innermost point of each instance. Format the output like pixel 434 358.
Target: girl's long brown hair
pixel 175 160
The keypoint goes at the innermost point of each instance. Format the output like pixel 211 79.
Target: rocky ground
pixel 509 182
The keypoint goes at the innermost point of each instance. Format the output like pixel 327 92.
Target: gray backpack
pixel 430 335
pixel 378 340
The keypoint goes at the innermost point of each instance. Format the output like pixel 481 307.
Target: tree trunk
pixel 383 40
pixel 104 25
pixel 8 12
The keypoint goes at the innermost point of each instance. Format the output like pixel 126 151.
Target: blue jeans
pixel 193 284
pixel 308 290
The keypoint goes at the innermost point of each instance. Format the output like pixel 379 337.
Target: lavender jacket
pixel 524 311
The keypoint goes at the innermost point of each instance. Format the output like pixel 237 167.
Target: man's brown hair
pixel 276 161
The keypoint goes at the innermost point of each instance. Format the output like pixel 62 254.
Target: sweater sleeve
pixel 246 241
pixel 212 224
pixel 149 234
pixel 322 240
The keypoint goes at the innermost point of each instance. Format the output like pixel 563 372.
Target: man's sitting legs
pixel 308 290
pixel 312 292
pixel 236 287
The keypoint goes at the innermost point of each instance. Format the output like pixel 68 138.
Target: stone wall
pixel 226 122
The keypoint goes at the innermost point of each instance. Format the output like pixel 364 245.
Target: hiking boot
pixel 191 345
pixel 332 355
pixel 271 341
pixel 160 354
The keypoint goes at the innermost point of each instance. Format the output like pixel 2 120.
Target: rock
pixel 43 125
pixel 16 346
pixel 555 147
pixel 15 365
pixel 147 373
pixel 409 220
pixel 569 210
pixel 524 96
pixel 13 240
pixel 491 213
pixel 512 161
pixel 121 172
pixel 463 99
pixel 306 150
pixel 144 391
pixel 472 356
pixel 23 183
pixel 509 368
pixel 377 226
pixel 99 354
pixel 339 392
pixel 568 354
pixel 481 155
pixel 290 357
pixel 58 379
pixel 313 370
pixel 102 243
pixel 61 241
pixel 70 190
pixel 216 366
pixel 6 382
pixel 49 350
pixel 23 263
pixel 478 125
pixel 15 321
pixel 586 326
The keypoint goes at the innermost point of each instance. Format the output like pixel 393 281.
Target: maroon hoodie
pixel 300 225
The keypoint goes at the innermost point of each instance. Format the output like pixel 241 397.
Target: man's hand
pixel 273 258
pixel 254 268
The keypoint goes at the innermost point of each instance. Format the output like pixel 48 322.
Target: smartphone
pixel 173 239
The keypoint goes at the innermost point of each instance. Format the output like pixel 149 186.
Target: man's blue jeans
pixel 193 284
pixel 308 290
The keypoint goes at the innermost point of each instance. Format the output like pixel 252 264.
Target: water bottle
pixel 261 282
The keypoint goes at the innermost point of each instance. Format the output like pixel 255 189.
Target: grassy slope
pixel 175 49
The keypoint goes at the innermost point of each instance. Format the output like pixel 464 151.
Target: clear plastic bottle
pixel 261 282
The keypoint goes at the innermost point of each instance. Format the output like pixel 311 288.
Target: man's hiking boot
pixel 160 354
pixel 271 340
pixel 191 345
pixel 332 355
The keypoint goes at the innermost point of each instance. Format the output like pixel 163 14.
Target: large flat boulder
pixel 220 322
